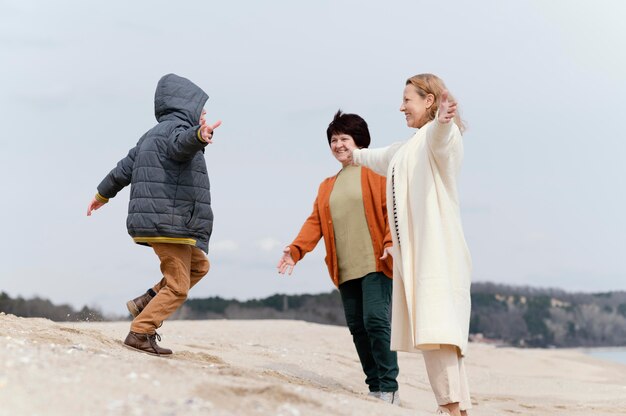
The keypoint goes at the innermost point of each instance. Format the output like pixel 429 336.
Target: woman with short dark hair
pixel 350 213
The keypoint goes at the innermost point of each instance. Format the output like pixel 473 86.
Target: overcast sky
pixel 540 84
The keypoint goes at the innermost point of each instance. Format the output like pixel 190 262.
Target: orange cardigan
pixel 320 224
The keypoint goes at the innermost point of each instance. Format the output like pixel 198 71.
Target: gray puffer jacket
pixel 170 199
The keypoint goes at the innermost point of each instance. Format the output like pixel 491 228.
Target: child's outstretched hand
pixel 206 131
pixel 93 205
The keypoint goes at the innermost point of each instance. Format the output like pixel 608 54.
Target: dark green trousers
pixel 366 303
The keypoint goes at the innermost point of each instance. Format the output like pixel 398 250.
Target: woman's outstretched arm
pixel 376 159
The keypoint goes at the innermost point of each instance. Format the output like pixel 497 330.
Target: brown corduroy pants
pixel 182 267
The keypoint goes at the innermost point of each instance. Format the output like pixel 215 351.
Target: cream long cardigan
pixel 431 264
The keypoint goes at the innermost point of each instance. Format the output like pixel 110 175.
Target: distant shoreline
pixel 610 354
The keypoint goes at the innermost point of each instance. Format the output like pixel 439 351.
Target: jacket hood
pixel 178 98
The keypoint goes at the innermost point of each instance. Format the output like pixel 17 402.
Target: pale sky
pixel 540 85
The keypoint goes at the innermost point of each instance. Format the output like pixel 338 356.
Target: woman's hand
pixel 447 108
pixel 350 156
pixel 387 252
pixel 286 263
pixel 349 159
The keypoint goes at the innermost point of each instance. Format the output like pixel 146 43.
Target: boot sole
pixel 147 352
pixel 132 308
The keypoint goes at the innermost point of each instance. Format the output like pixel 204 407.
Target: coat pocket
pixel 193 217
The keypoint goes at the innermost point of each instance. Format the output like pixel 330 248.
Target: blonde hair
pixel 431 84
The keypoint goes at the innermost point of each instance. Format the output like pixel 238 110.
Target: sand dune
pixel 271 368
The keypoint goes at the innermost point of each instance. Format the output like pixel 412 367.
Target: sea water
pixel 617 355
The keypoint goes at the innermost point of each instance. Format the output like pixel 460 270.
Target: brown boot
pixel 136 305
pixel 146 343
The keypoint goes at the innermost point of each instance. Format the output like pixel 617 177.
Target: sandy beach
pixel 264 367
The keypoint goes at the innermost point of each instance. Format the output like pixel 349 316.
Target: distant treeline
pixel 525 316
pixel 324 308
pixel 43 308
pixel 512 315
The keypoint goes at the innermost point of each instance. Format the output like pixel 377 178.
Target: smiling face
pixel 342 145
pixel 415 107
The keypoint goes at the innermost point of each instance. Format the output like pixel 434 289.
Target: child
pixel 170 203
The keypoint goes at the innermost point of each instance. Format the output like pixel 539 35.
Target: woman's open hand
pixel 447 108
pixel 286 263
pixel 387 252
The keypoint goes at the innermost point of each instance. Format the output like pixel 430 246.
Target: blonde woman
pixel 432 264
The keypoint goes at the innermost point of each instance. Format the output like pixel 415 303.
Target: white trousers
pixel 446 373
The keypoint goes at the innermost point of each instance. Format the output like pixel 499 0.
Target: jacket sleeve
pixel 309 235
pixel 184 142
pixel 119 177
pixel 444 140
pixel 376 159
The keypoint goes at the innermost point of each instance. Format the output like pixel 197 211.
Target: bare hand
pixel 387 252
pixel 447 109
pixel 93 205
pixel 286 263
pixel 349 157
pixel 206 131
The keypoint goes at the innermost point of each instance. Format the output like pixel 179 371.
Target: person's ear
pixel 430 100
